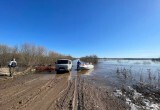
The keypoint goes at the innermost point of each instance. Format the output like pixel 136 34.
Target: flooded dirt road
pixel 110 86
pixel 50 91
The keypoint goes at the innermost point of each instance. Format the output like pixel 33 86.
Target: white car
pixel 63 65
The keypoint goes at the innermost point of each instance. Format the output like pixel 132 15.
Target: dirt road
pixel 49 91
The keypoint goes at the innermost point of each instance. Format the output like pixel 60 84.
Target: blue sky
pixel 107 28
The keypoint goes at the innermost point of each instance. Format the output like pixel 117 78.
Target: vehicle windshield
pixel 62 62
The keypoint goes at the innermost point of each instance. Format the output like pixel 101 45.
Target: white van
pixel 63 65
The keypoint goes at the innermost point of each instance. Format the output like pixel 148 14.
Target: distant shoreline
pixel 128 58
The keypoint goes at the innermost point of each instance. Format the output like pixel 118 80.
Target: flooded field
pixel 129 72
pixel 135 81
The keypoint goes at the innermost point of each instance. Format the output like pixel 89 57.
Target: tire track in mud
pixel 75 101
pixel 19 97
pixel 72 96
pixel 48 96
pixel 41 97
pixel 33 94
pixel 33 98
pixel 11 92
pixel 66 99
pixel 61 96
pixel 80 102
pixel 15 90
pixel 11 97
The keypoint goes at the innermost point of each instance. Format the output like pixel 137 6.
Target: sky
pixel 107 28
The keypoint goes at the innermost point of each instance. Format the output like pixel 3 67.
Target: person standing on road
pixel 78 64
pixel 12 64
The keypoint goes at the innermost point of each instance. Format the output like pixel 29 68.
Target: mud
pixel 50 91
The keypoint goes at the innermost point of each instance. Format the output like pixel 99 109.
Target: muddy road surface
pixel 50 91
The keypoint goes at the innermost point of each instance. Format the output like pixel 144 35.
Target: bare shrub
pixel 29 55
pixel 90 59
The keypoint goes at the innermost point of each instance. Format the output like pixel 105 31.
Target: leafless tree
pixel 29 55
pixel 90 59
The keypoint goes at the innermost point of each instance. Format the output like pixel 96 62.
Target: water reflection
pixel 85 72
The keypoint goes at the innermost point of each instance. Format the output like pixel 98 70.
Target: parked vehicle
pixel 63 65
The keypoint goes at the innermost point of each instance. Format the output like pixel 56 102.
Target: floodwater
pixel 135 81
pixel 128 72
